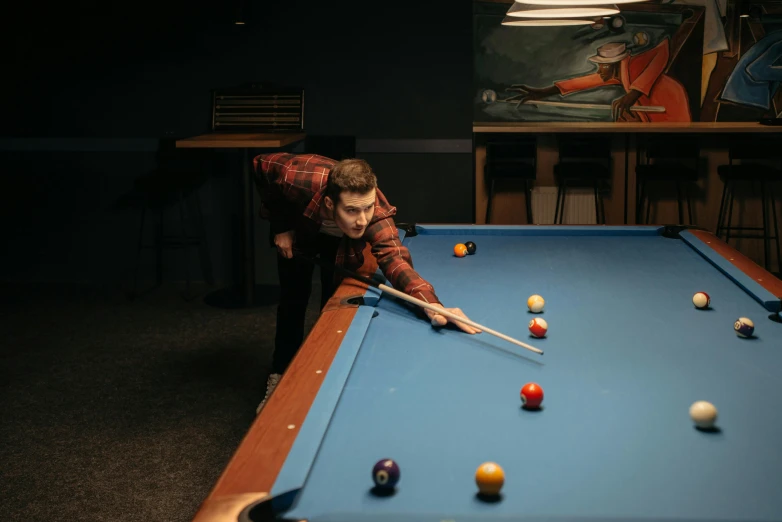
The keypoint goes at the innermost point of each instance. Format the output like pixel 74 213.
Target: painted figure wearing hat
pixel 642 77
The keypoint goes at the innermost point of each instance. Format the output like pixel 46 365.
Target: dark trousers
pixel 295 288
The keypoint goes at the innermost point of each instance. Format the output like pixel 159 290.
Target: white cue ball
pixel 701 300
pixel 535 303
pixel 703 414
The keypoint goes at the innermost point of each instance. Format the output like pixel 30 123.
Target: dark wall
pixel 94 86
pixel 373 69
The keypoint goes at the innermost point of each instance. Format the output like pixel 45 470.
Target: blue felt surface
pixel 626 356
pixel 302 454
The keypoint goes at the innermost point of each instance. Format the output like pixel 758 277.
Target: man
pixel 642 77
pixel 331 209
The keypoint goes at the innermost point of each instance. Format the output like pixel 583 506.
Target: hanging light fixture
pixel 542 22
pixel 239 19
pixel 570 11
pixel 574 2
pixel 744 9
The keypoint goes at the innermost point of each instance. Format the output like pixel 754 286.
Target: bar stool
pixel 511 158
pixel 665 161
pixel 584 160
pixel 753 167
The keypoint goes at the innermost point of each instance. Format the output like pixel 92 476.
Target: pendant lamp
pixel 565 11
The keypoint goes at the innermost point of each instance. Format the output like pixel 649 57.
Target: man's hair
pixel 350 175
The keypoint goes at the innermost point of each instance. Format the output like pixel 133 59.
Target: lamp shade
pixel 574 2
pixel 565 11
pixel 542 22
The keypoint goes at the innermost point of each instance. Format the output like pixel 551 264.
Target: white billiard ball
pixel 703 414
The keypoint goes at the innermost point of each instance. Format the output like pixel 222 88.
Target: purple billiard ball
pixel 744 327
pixel 385 474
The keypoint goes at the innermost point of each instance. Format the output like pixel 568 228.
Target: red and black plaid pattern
pixel 293 186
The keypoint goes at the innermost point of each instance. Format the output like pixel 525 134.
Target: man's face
pixel 606 70
pixel 353 212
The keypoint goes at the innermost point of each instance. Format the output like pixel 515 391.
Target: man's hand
pixel 441 320
pixel 534 93
pixel 620 108
pixel 284 243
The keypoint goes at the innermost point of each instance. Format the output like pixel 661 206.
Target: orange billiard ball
pixel 460 250
pixel 531 396
pixel 490 478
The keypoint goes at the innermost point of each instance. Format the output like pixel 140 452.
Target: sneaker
pixel 271 383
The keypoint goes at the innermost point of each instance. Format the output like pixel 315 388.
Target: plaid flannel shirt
pixel 292 188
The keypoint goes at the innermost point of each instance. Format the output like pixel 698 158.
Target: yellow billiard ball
pixel 489 477
pixel 535 303
pixel 703 414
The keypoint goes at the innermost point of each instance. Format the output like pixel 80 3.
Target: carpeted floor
pixel 116 410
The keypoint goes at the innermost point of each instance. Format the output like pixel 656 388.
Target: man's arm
pixel 534 93
pixel 762 69
pixel 582 83
pixel 395 262
pixel 269 177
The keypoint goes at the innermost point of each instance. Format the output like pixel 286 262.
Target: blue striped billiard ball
pixel 385 474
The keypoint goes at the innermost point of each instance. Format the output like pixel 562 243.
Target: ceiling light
pixel 539 22
pixel 569 11
pixel 574 2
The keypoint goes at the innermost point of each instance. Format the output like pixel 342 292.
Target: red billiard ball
pixel 531 395
pixel 385 474
pixel 538 327
pixel 701 300
pixel 460 250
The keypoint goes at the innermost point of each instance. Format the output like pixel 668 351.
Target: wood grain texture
pixel 261 454
pixel 611 127
pixel 763 277
pixel 226 508
pixel 240 140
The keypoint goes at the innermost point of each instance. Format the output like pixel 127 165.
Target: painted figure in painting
pixel 741 55
pixel 651 95
pixel 755 79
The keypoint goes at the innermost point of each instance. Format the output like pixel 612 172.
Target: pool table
pixel 625 355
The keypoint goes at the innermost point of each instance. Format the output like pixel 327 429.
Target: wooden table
pixel 240 140
pixel 627 129
pixel 245 141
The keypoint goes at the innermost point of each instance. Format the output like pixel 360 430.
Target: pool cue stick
pixel 572 105
pixel 633 108
pixel 414 300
